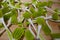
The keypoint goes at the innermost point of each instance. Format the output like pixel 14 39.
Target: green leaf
pixel 0 3
pixel 14 17
pixel 5 4
pixel 27 23
pixel 59 18
pixel 27 15
pixel 18 33
pixel 14 20
pixel 32 9
pixel 46 29
pixel 9 34
pixel 18 5
pixel 41 37
pixel 5 10
pixel 34 15
pixel 34 0
pixel 49 3
pixel 26 4
pixel 6 17
pixel 42 11
pixel 28 35
pixel 12 2
pixel 55 16
pixel 1 25
pixel 55 35
pixel 20 24
pixel 41 4
pixel 57 11
pixel 40 21
pixel 1 14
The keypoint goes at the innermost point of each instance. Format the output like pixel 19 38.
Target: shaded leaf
pixel 1 25
pixel 26 4
pixel 55 35
pixel 1 14
pixel 45 28
pixel 32 9
pixel 5 10
pixel 6 17
pixel 41 37
pixel 55 16
pixel 49 3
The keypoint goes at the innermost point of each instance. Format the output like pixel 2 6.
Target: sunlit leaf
pixel 40 4
pixel 46 29
pixel 20 24
pixel 14 17
pixel 42 11
pixel 14 20
pixel 28 35
pixel 40 20
pixel 9 34
pixel 26 15
pixel 18 33
pixel 34 1
pixel 17 6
